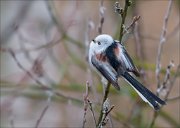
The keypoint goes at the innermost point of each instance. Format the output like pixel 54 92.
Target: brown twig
pixel 92 111
pixel 166 78
pixel 124 13
pixel 138 41
pixel 135 19
pixel 101 11
pixel 162 41
pixel 158 60
pixel 85 103
pixel 44 87
pixel 12 122
pixel 48 45
pixel 44 111
pixel 104 119
pixel 173 98
pixel 16 21
pixel 163 87
pixel 104 99
pixel 172 81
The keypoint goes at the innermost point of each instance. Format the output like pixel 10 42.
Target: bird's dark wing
pixel 106 70
pixel 126 61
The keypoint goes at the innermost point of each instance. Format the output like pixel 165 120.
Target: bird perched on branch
pixel 110 58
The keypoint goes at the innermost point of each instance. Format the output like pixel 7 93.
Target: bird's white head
pixel 100 43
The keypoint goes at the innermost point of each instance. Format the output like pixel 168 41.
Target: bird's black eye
pixel 93 40
pixel 99 43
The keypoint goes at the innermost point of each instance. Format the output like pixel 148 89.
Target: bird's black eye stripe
pixel 99 43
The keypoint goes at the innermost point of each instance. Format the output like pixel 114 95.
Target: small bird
pixel 110 58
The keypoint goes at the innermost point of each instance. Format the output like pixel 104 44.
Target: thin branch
pixel 44 87
pixel 158 61
pixel 127 4
pixel 166 78
pixel 172 82
pixel 53 14
pixel 41 116
pixel 104 119
pixel 162 41
pixel 44 111
pixel 16 22
pixel 135 19
pixel 174 31
pixel 169 36
pixel 101 11
pixel 92 111
pixel 138 41
pixel 48 45
pixel 104 99
pixel 12 122
pixel 154 119
pixel 173 98
pixel 85 103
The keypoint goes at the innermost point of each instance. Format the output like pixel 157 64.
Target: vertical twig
pixel 85 104
pixel 127 4
pixel 92 111
pixel 172 82
pixel 12 122
pixel 166 78
pixel 104 99
pixel 138 42
pixel 105 114
pixel 44 110
pixel 162 41
pixel 101 11
pixel 163 87
pixel 160 48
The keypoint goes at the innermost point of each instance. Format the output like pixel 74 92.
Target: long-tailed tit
pixel 111 60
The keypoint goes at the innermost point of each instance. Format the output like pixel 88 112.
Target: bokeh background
pixel 46 43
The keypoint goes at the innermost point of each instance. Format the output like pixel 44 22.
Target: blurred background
pixel 44 68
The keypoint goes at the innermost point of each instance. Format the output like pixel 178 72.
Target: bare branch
pixel 127 4
pixel 106 110
pixel 162 41
pixel 173 98
pixel 101 11
pixel 139 49
pixel 85 103
pixel 158 60
pixel 48 45
pixel 171 84
pixel 92 111
pixel 16 22
pixel 104 99
pixel 44 87
pixel 166 78
pixel 44 111
pixel 105 116
pixel 135 19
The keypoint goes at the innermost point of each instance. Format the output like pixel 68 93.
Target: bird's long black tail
pixel 143 92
